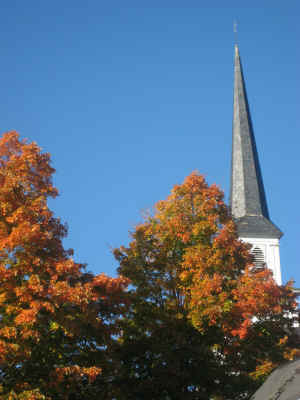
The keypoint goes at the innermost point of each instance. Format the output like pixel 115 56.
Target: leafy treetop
pixel 194 284
pixel 54 317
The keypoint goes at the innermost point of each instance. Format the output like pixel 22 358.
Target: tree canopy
pixel 204 323
pixel 55 318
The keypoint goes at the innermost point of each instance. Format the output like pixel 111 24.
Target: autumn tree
pixel 203 322
pixel 56 319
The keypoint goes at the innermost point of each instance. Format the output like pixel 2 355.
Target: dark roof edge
pixel 257 227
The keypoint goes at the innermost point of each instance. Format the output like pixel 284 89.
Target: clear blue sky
pixel 131 96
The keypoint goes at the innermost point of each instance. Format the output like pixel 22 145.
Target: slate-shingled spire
pixel 248 201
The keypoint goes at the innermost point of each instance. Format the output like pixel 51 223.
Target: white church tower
pixel 248 201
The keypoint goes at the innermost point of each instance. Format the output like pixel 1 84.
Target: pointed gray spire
pixel 248 201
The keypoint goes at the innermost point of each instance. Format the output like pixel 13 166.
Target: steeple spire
pixel 248 201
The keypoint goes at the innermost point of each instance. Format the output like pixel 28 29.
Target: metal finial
pixel 235 32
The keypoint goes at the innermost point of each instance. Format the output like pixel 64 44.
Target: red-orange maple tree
pixel 55 319
pixel 201 314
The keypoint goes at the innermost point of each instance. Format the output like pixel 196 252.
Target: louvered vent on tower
pixel 259 257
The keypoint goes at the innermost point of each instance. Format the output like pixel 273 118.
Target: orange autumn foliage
pixel 52 313
pixel 189 270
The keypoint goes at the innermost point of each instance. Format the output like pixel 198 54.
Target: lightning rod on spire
pixel 235 31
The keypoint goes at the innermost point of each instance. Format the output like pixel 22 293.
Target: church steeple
pixel 248 201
